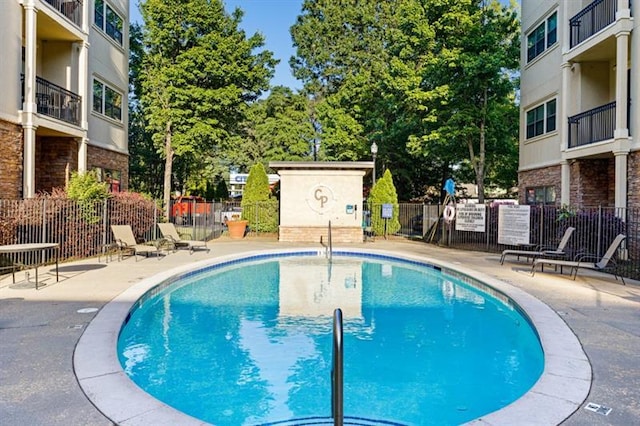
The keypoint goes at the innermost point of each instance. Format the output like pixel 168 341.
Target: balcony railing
pixel 56 101
pixel 72 9
pixel 592 126
pixel 592 19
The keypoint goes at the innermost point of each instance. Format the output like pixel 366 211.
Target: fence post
pixel 155 221
pixel 43 236
pixel 104 223
pixel 599 236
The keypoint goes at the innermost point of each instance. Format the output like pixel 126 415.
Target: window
pixel 106 100
pixel 541 119
pixel 111 177
pixel 541 195
pixel 108 20
pixel 544 36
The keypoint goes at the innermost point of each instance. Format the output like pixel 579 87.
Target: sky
pixel 272 18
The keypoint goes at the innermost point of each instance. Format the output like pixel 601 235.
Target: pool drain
pixel 597 408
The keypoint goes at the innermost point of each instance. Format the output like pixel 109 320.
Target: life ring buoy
pixel 449 213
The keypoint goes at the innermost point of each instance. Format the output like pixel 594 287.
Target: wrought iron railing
pixel 56 101
pixel 72 9
pixel 591 20
pixel 592 126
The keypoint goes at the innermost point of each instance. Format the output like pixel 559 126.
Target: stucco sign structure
pixel 312 194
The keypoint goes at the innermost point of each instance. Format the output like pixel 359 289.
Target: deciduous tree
pixel 200 71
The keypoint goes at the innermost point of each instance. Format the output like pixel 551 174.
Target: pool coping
pixel 559 392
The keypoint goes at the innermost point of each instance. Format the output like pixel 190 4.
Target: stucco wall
pixel 309 199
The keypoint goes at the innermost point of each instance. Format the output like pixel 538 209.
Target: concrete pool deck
pixel 39 329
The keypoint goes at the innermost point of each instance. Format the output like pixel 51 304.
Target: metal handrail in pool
pixel 328 248
pixel 337 374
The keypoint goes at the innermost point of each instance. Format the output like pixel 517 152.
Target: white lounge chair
pixel 126 242
pixel 541 251
pixel 584 261
pixel 170 233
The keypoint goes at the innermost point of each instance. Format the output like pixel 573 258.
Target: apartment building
pixel 580 125
pixel 64 85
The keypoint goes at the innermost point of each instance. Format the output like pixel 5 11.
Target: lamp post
pixel 374 151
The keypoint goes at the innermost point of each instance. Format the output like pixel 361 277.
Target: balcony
pixel 591 20
pixel 55 101
pixel 592 126
pixel 72 9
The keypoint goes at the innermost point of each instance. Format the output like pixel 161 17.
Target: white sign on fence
pixel 470 217
pixel 513 224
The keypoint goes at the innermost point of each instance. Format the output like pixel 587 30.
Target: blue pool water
pixel 250 343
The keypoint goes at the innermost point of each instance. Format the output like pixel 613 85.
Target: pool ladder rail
pixel 337 373
pixel 328 248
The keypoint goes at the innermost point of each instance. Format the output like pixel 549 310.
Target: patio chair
pixel 170 233
pixel 542 251
pixel 586 261
pixel 126 242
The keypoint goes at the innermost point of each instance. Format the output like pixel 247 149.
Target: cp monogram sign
pixel 320 199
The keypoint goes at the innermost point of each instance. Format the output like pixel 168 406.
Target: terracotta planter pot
pixel 237 228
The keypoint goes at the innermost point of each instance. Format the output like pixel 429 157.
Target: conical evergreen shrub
pixel 384 192
pixel 258 206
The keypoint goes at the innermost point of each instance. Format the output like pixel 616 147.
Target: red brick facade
pixel 109 160
pixel 56 158
pixel 10 160
pixel 548 176
pixel 593 183
pixel 633 179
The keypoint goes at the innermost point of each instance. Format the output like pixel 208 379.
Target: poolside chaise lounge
pixel 541 251
pixel 584 261
pixel 170 233
pixel 126 242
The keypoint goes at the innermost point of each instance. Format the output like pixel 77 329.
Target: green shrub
pixel 258 206
pixel 384 192
pixel 86 186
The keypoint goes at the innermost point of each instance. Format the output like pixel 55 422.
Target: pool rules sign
pixel 514 224
pixel 470 217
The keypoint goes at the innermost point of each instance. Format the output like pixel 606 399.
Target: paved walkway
pixel 39 329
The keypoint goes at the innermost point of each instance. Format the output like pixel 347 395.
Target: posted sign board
pixel 387 211
pixel 513 224
pixel 471 217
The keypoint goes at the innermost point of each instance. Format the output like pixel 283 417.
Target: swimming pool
pixel 252 339
pixel 100 335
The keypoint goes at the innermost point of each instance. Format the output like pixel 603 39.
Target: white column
pixel 29 107
pixel 621 179
pixel 563 103
pixel 622 84
pixel 84 86
pixel 84 89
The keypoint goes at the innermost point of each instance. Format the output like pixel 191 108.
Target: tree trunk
pixel 168 168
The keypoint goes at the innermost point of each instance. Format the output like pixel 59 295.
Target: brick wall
pixel 546 176
pixel 633 179
pixel 105 159
pixel 312 234
pixel 56 158
pixel 11 160
pixel 593 183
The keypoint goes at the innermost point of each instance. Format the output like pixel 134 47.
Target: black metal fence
pixel 595 229
pixel 83 228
